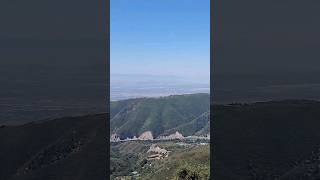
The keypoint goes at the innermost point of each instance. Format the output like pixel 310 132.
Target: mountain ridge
pixel 160 115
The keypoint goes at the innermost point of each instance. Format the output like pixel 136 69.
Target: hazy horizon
pixel 128 86
pixel 156 52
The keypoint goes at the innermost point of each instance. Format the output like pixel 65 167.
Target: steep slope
pixel 265 140
pixel 308 169
pixel 132 117
pixel 67 148
pixel 198 126
pixel 193 161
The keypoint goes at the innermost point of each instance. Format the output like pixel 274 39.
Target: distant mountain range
pixel 188 114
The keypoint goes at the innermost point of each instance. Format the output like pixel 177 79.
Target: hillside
pixel 184 164
pixel 161 115
pixel 184 160
pixel 64 149
pixel 266 140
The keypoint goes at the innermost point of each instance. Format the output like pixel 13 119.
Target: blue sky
pixel 160 37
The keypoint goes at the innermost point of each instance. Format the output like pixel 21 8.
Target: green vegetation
pixel 187 113
pixel 189 161
pixel 125 157
pixel 194 160
pixel 192 171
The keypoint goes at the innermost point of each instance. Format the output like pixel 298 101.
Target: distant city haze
pixel 127 86
pixel 159 48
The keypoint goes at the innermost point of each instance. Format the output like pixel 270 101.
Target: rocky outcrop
pixel 176 135
pixel 114 138
pixel 146 136
pixel 156 149
pixel 159 152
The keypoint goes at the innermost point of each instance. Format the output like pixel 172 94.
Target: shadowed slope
pixel 265 140
pixel 66 148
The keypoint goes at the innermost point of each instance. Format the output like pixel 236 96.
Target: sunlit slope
pixel 160 115
pixel 183 161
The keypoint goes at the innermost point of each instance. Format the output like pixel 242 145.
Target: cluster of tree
pixel 193 172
